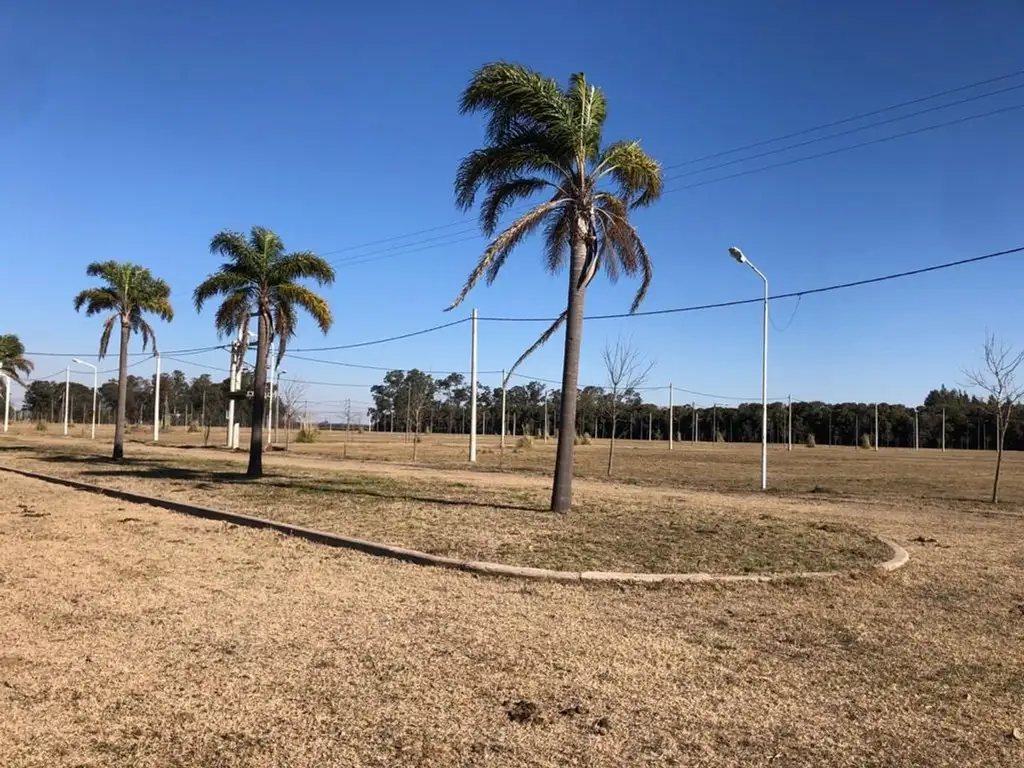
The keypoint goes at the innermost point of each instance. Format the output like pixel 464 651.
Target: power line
pixel 840 150
pixel 740 302
pixel 391 253
pixel 847 132
pixel 357 259
pixel 193 351
pixel 399 337
pixel 850 119
pixel 378 367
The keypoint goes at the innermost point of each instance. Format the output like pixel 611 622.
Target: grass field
pixel 131 636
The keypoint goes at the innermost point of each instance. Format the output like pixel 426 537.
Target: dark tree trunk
pixel 258 400
pixel 122 392
pixel 561 492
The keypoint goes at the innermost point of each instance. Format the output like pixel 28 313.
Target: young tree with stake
pixel 998 378
pixel 627 369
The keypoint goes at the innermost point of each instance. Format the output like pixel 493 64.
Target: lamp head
pixel 76 360
pixel 737 254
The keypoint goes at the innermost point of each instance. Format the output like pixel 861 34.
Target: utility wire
pixel 383 341
pixel 847 132
pixel 356 259
pixel 193 351
pixel 378 367
pixel 792 294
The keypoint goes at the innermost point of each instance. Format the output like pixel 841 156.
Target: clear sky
pixel 137 130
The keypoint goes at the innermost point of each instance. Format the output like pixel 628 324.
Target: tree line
pixel 415 401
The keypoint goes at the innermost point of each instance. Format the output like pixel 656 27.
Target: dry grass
pixel 135 637
pixel 628 530
pixel 959 477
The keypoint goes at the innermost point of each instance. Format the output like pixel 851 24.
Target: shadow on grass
pixel 150 469
pixel 402 496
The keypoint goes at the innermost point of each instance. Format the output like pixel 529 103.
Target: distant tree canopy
pixel 444 406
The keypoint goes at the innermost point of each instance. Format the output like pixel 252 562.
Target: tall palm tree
pixel 127 292
pixel 12 357
pixel 259 279
pixel 545 139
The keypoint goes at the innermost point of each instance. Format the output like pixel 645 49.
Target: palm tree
pixel 12 357
pixel 259 279
pixel 128 291
pixel 542 138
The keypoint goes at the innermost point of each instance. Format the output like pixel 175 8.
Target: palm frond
pixel 301 264
pixel 284 326
pixel 637 175
pixel 108 327
pixel 233 313
pixel 140 326
pixel 516 97
pixel 496 253
pixel 502 196
pixel 218 284
pixel 96 300
pixel 107 270
pixel 12 357
pixel 231 245
pixel 557 232
pixel 499 163
pixel 538 343
pixel 589 110
pixel 267 246
pixel 314 304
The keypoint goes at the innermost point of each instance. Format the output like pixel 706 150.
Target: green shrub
pixel 525 442
pixel 40 426
pixel 308 435
pixel 865 442
pixel 809 440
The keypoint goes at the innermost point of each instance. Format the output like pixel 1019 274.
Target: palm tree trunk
pixel 258 400
pixel 122 392
pixel 561 491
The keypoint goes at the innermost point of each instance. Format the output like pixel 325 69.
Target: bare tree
pixel 998 378
pixel 627 369
pixel 290 396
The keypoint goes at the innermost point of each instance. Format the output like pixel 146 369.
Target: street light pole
pixel 156 402
pixel 67 398
pixel 737 254
pixel 7 400
pixel 95 386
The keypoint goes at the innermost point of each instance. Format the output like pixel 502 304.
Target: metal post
pixel 650 426
pixel 67 399
pixel 876 426
pixel 943 429
pixel 231 401
pixel 693 412
pixel 270 398
pixel 156 402
pixel 472 391
pixel 671 426
pixel 502 407
pixel 7 400
pixel 917 434
pixel 545 419
pixel 789 439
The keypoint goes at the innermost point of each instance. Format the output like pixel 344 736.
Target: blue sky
pixel 138 130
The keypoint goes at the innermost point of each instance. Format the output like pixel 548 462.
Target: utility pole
pixel 650 426
pixel 202 418
pixel 156 402
pixel 876 426
pixel 917 434
pixel 696 431
pixel 829 427
pixel 472 393
pixel 502 407
pixel 7 400
pixel 714 423
pixel 545 419
pixel 856 432
pixel 671 426
pixel 943 429
pixel 789 438
pixel 67 399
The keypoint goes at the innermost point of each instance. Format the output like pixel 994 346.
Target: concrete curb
pixel 899 557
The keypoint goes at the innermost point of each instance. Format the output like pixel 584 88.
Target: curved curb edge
pixel 899 557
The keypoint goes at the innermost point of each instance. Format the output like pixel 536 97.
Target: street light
pixel 274 418
pixel 737 254
pixel 7 397
pixel 95 385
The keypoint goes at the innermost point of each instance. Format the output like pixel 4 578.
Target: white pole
pixel 156 402
pixel 231 402
pixel 545 419
pixel 270 398
pixel 693 409
pixel 671 426
pixel 95 386
pixel 876 426
pixel 502 407
pixel 789 438
pixel 7 400
pixel 917 433
pixel 650 426
pixel 764 386
pixel 943 429
pixel 67 398
pixel 472 390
